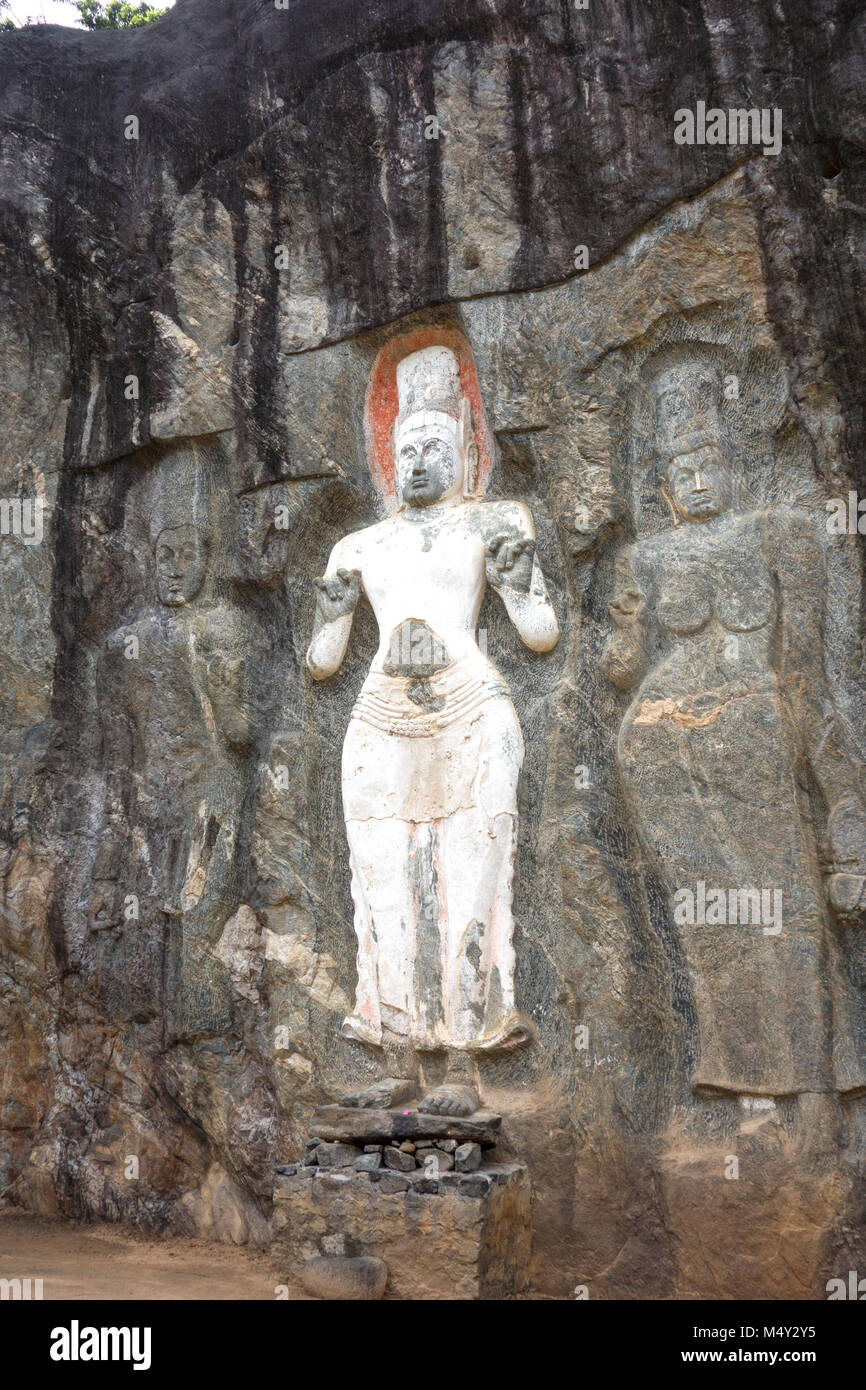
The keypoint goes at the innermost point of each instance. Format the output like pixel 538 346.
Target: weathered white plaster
pixel 433 751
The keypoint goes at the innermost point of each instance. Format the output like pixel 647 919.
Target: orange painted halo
pixel 381 406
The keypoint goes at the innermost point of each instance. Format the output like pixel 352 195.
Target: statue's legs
pixel 477 856
pixel 434 928
pixel 380 853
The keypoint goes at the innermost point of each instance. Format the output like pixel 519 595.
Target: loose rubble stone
pixel 336 1155
pixel 467 1157
pixel 395 1158
pixel 360 1278
pixel 435 1161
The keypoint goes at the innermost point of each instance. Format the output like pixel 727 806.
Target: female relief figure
pixel 719 626
pixel 433 750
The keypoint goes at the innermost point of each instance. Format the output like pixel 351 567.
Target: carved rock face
pixel 181 560
pixel 196 775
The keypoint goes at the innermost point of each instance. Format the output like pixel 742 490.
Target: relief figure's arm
pixel 624 658
pixel 514 572
pixel 800 570
pixel 798 564
pixel 337 594
pixel 118 755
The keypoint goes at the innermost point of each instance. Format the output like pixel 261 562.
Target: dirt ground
pixel 78 1263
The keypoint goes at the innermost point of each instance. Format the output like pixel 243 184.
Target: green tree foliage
pixel 114 14
pixel 99 14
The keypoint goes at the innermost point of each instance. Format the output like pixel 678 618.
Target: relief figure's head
pixel 698 485
pixel 685 387
pixel 180 554
pixel 435 446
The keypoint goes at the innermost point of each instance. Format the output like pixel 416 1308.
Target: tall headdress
pixel 179 492
pixel 428 386
pixel 685 388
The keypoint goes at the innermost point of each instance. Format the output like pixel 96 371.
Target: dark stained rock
pixel 397 1160
pixel 467 1157
pixel 391 1183
pixel 336 1155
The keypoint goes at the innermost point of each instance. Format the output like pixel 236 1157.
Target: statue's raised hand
pixel 338 594
pixel 628 608
pixel 509 562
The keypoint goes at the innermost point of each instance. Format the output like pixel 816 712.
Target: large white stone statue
pixel 433 750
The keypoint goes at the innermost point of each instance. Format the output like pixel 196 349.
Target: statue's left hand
pixel 509 562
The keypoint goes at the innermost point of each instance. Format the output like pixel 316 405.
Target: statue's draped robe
pixel 430 800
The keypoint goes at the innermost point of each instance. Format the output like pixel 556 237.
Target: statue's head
pixel 435 446
pixel 685 388
pixel 180 554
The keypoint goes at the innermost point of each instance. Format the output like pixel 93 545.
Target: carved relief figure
pixel 433 750
pixel 175 720
pixel 730 739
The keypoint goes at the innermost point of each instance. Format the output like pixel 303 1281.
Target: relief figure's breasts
pixel 431 572
pixel 705 587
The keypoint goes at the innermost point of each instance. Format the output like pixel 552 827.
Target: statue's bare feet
pixel 449 1100
pixel 382 1095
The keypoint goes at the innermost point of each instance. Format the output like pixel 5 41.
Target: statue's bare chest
pixel 415 560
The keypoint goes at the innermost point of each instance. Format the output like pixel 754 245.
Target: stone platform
pixel 402 1205
pixel 356 1126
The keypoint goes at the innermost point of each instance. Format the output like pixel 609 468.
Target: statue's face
pixel 699 484
pixel 181 562
pixel 429 464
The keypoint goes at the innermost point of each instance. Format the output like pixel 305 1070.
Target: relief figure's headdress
pixel 685 388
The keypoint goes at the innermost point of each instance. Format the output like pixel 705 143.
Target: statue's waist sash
pixel 459 750
pixel 419 707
